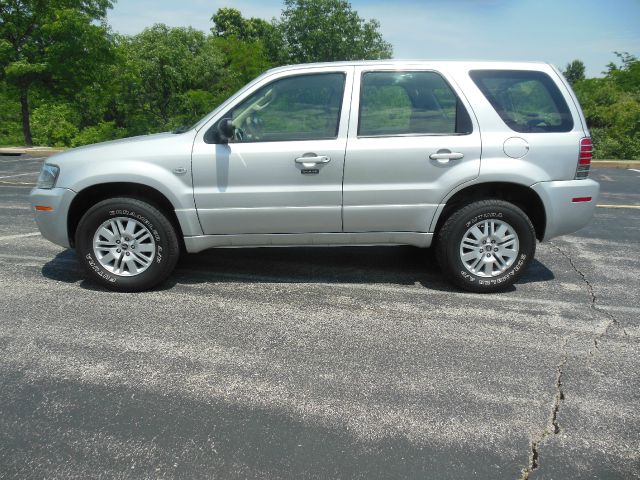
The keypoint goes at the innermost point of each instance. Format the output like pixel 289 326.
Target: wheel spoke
pixel 130 227
pixel 476 232
pixel 467 257
pixel 476 263
pixel 469 242
pixel 144 261
pixel 510 254
pixel 488 268
pixel 107 257
pixel 131 265
pixel 146 248
pixel 506 240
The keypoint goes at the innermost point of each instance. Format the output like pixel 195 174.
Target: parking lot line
pixel 18 184
pixel 20 175
pixel 619 206
pixel 23 235
pixel 634 170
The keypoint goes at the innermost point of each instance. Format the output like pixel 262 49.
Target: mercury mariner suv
pixel 478 159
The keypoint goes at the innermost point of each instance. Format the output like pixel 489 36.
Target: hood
pixel 142 147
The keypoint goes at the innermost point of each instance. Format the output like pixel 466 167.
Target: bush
pixel 54 125
pixel 98 133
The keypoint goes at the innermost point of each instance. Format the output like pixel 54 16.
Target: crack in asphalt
pixel 553 425
pixel 594 299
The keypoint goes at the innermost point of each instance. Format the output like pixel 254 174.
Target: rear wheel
pixel 486 246
pixel 127 244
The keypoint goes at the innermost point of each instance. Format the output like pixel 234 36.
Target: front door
pixel 281 171
pixel 411 143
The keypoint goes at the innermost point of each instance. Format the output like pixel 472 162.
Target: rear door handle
pixel 444 155
pixel 309 162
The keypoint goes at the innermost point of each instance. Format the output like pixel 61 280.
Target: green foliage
pixel 54 45
pixel 328 30
pixel 101 132
pixel 160 64
pixel 612 108
pixel 55 125
pixel 574 72
pixel 10 131
pixel 228 23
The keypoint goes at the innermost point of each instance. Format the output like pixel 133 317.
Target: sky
pixel 555 31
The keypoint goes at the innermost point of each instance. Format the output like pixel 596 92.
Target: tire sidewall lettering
pixel 483 216
pixel 95 266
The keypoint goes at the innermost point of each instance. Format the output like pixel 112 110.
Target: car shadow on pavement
pixel 400 265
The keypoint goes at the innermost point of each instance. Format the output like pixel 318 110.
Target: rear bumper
pixel 53 223
pixel 564 215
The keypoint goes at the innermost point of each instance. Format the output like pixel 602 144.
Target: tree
pixel 53 44
pixel 229 23
pixel 574 72
pixel 612 108
pixel 328 30
pixel 162 64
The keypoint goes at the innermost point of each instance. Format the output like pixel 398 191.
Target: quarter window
pixel 527 101
pixel 410 103
pixel 304 107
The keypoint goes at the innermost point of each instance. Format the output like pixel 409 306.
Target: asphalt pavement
pixel 346 362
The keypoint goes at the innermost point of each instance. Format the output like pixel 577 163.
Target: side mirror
pixel 225 130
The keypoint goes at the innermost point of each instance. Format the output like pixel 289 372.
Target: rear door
pixel 411 141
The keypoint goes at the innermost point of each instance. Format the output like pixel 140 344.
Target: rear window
pixel 527 101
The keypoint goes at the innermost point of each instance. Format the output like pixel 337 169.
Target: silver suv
pixel 479 159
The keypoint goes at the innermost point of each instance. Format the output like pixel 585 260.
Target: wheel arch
pixel 93 194
pixel 520 195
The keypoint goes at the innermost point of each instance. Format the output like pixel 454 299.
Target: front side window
pixel 527 101
pixel 410 103
pixel 304 107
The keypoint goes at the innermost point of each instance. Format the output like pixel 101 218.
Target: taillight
pixel 584 159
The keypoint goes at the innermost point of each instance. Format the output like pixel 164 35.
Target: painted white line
pixel 15 207
pixel 20 175
pixel 620 206
pixel 18 184
pixel 24 235
pixel 634 170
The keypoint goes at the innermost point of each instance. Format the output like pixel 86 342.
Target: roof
pixel 498 64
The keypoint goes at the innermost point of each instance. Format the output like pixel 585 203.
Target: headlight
pixel 48 176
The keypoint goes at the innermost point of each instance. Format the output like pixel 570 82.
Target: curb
pixel 33 151
pixel 615 163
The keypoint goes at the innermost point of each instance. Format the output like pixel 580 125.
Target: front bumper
pixel 52 223
pixel 564 215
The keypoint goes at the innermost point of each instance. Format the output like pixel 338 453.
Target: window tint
pixel 526 101
pixel 305 107
pixel 405 103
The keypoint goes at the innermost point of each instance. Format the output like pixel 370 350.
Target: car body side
pixel 162 166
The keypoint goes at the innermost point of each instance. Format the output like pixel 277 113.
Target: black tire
pixel 450 236
pixel 166 250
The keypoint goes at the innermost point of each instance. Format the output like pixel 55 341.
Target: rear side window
pixel 409 103
pixel 527 101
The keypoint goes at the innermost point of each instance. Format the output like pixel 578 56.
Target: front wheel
pixel 486 246
pixel 126 244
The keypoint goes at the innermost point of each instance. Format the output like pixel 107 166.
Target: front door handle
pixel 312 161
pixel 444 155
